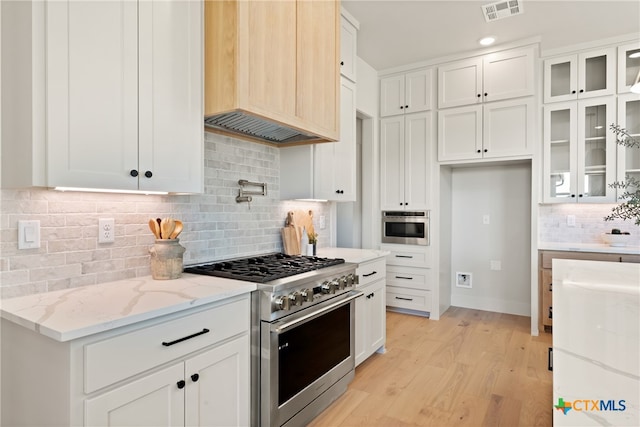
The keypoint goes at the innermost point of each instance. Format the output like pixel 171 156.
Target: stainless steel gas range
pixel 303 341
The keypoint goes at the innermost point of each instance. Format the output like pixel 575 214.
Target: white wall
pixel 504 194
pixel 367 107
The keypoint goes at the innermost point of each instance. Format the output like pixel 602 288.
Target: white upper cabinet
pixel 348 45
pixel 628 65
pixel 579 151
pixel 335 162
pixel 324 171
pixel 494 130
pixel 406 93
pixel 492 77
pixel 405 150
pixel 584 75
pixel 629 118
pixel 121 91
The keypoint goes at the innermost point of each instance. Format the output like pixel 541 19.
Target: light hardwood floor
pixel 470 368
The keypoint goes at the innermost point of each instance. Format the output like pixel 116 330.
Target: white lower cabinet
pixel 409 282
pixel 371 321
pixel 189 368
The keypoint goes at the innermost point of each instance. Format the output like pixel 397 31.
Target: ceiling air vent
pixel 501 9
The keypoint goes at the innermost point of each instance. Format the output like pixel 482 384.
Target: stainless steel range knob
pixel 282 303
pixel 295 298
pixel 329 287
pixel 353 279
pixel 333 286
pixel 342 282
pixel 307 295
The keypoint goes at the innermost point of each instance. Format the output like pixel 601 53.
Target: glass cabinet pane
pixel 560 154
pixel 595 151
pixel 632 154
pixel 632 66
pixel 595 73
pixel 561 79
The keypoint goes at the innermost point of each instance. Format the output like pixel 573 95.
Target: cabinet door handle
pixel 573 195
pixel 195 378
pixel 402 107
pixel 485 150
pixel 372 295
pixel 403 277
pixel 148 174
pixel 341 62
pixel 550 312
pixel 573 92
pixel 479 96
pixel 479 151
pixel 133 173
pixel 370 274
pixel 486 94
pixel 406 106
pixel 170 343
pixel 405 299
pixel 404 256
pixel 550 287
pixel 550 359
pixel 181 384
pixel 581 90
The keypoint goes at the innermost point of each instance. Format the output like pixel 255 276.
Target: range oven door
pixel 303 355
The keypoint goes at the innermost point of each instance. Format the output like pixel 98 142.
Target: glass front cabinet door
pixel 628 65
pixel 579 152
pixel 629 157
pixel 585 75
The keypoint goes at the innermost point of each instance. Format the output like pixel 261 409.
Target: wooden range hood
pixel 272 72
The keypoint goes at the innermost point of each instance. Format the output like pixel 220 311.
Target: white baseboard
pixel 491 304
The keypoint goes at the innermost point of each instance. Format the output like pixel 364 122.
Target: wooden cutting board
pixel 301 219
pixel 290 241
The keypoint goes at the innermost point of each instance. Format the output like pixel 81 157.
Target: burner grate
pixel 263 269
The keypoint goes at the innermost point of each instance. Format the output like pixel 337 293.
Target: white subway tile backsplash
pixel 590 223
pixel 216 227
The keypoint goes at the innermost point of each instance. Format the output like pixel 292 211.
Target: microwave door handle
pixel 280 328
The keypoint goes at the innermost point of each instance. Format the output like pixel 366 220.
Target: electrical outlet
pixel 496 265
pixel 106 230
pixel 323 222
pixel 571 220
pixel 486 219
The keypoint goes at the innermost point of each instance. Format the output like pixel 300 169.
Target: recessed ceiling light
pixel 487 41
pixel 635 54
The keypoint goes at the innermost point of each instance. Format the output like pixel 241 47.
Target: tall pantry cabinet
pixel 103 95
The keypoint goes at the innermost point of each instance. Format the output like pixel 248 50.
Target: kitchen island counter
pixel 357 256
pixel 68 314
pixel 589 247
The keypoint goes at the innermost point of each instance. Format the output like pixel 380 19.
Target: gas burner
pixel 265 268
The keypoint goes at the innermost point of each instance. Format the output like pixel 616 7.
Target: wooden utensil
pixel 159 221
pixel 155 228
pixel 167 225
pixel 177 230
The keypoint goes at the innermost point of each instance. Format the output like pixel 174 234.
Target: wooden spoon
pixel 167 225
pixel 154 227
pixel 159 221
pixel 177 230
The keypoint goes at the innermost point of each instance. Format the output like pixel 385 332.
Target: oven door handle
pixel 280 328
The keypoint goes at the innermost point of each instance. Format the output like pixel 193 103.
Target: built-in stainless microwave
pixel 405 227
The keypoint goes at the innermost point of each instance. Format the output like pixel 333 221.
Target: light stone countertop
pixel 78 312
pixel 589 247
pixel 596 341
pixel 357 256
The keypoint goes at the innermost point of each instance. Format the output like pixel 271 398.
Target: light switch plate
pixel 28 234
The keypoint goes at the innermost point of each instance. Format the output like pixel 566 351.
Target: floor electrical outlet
pixel 106 230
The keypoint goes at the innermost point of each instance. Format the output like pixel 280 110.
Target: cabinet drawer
pixel 417 257
pixel 546 290
pixel 117 358
pixel 371 271
pixel 411 299
pixel 409 277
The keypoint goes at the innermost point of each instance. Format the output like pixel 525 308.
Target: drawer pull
pixel 404 256
pixel 167 344
pixel 403 277
pixel 405 299
pixel 550 287
pixel 181 384
pixel 370 274
pixel 550 359
pixel 550 312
